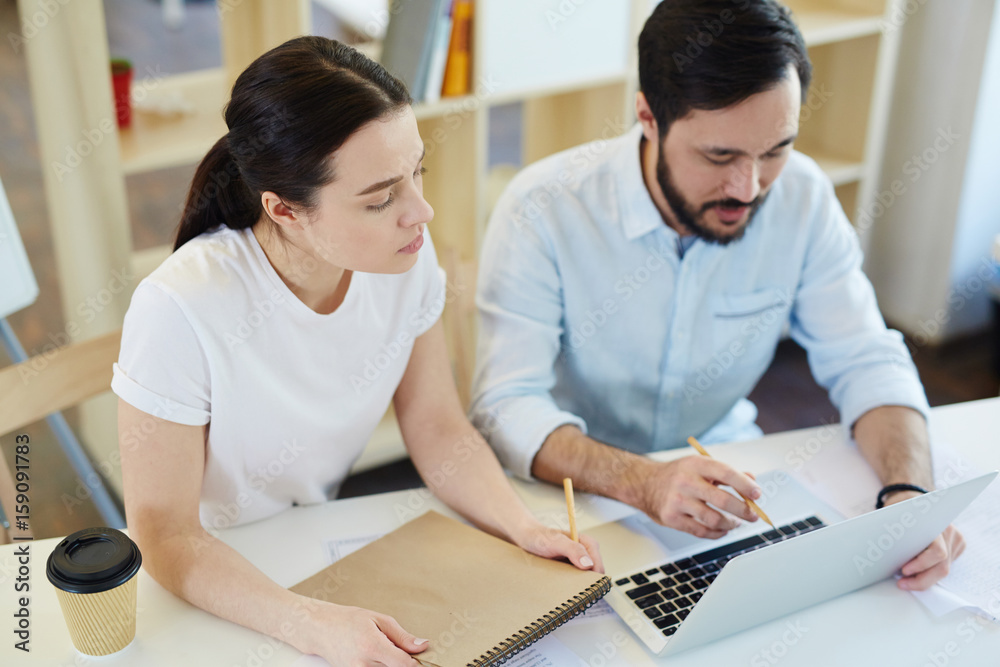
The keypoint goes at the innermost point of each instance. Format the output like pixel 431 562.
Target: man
pixel 632 292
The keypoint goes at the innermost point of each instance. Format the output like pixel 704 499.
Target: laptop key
pixel 697 571
pixel 668 620
pixel 684 589
pixel 685 563
pixel 683 602
pixel 640 578
pixel 700 584
pixel 814 521
pixel 772 535
pixel 683 613
pixel 696 595
pixel 622 582
pixel 649 601
pixel 642 591
pixel 652 612
pixel 653 571
pixel 669 631
pixel 670 568
pixel 668 607
pixel 681 577
pixel 800 525
pixel 728 549
pixel 713 566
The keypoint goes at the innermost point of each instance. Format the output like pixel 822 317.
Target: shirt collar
pixel 639 214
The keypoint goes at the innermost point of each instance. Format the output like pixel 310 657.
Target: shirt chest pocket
pixel 750 319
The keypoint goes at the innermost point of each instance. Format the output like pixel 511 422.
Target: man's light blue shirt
pixel 589 315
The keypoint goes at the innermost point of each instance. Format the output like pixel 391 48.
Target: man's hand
pixel 933 563
pixel 678 494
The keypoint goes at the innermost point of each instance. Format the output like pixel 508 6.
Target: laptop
pixel 709 589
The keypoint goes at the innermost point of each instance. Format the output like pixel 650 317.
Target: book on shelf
pixel 458 70
pixel 408 51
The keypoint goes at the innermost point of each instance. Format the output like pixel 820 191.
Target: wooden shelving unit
pixel 853 61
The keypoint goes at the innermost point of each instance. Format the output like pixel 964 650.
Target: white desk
pixel 880 625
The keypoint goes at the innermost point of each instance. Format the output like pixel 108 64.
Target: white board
pixel 18 288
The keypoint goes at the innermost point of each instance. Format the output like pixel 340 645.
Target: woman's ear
pixel 280 212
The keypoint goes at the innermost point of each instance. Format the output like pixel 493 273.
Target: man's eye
pixel 721 163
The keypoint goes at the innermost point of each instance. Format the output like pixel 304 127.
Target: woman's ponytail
pixel 217 196
pixel 289 111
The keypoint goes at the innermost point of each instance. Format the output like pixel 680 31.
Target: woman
pixel 303 295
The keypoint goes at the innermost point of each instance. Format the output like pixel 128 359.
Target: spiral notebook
pixel 478 599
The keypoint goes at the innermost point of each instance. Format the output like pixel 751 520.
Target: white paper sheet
pixel 848 484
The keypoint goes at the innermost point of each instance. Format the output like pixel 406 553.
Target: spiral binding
pixel 543 626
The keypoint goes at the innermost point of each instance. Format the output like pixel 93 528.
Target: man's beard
pixel 690 219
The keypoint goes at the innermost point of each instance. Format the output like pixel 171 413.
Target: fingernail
pixel 419 642
pixel 755 493
pixel 586 562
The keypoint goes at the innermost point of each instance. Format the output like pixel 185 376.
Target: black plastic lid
pixel 93 560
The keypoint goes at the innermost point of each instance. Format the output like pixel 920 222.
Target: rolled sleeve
pixel 521 324
pixel 836 318
pixel 162 368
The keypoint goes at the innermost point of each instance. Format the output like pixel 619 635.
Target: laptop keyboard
pixel 666 594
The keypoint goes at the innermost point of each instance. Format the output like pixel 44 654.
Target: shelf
pixel 825 22
pixel 839 170
pixel 156 142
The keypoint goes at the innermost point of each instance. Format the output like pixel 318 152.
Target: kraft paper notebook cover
pixel 477 598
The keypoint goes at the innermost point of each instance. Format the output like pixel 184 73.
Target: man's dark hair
pixel 712 54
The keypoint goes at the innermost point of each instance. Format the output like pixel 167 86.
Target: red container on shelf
pixel 121 81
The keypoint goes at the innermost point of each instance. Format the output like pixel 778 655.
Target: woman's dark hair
pixel 289 111
pixel 712 54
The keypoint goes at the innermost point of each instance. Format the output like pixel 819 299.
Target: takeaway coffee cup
pixel 93 571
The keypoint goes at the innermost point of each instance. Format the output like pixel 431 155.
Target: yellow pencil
pixel 701 450
pixel 570 508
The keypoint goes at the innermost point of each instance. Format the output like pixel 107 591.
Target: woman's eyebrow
pixel 381 185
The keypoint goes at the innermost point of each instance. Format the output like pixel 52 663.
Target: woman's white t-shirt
pixel 214 336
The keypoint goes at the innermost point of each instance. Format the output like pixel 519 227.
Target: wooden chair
pixel 44 385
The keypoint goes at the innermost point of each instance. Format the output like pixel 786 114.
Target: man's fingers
pixel 713 470
pixel 707 516
pixel 728 502
pixel 935 553
pixel 926 578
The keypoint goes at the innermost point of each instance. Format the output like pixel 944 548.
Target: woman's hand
pixel 548 542
pixel 354 636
